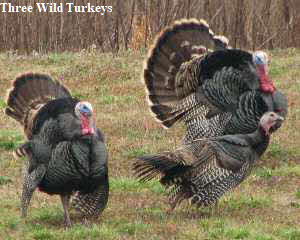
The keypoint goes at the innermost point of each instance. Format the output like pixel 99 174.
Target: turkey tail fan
pixel 92 204
pixel 173 47
pixel 28 94
pixel 167 165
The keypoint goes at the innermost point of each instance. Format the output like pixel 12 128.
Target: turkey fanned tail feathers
pixel 191 75
pixel 29 93
pixel 173 49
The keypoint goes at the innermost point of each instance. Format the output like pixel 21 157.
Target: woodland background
pixel 256 24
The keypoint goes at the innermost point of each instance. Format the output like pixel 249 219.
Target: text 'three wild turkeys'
pixel 193 76
pixel 203 170
pixel 66 152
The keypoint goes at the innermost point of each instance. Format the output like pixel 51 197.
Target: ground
pixel 266 206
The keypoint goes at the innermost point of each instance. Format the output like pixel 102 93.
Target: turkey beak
pixel 278 122
pixel 279 119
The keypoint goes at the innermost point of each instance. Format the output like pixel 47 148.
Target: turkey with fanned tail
pixel 66 152
pixel 193 76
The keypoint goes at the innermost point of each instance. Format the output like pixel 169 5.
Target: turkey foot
pixel 87 222
pixel 214 209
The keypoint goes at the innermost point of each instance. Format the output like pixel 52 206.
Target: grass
pixel 298 194
pixel 285 170
pixel 290 233
pixel 131 185
pixel 263 207
pixel 133 153
pixel 5 180
pixel 247 202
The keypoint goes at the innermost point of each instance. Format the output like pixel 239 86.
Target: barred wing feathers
pixel 201 171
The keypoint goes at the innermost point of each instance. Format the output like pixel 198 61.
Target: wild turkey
pixel 66 152
pixel 192 75
pixel 205 169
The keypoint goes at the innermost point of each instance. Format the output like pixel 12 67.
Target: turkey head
pixel 269 121
pixel 84 111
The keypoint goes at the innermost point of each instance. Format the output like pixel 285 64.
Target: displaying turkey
pixel 192 75
pixel 66 152
pixel 205 169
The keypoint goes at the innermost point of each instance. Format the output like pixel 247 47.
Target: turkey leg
pixel 65 200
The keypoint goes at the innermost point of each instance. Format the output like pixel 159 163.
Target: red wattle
pixel 86 126
pixel 266 84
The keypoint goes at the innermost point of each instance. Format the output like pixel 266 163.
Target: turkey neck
pixel 259 140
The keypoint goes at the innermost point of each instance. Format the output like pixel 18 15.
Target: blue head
pixel 84 112
pixel 84 108
pixel 260 58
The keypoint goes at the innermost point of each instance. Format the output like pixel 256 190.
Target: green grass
pixel 263 237
pixel 133 153
pixel 2 104
pixel 279 151
pixel 284 170
pixel 10 140
pixel 132 228
pixel 110 99
pixel 263 207
pixel 218 229
pixel 290 233
pixel 93 232
pixel 43 233
pixel 5 180
pixel 264 172
pixel 297 194
pixel 46 214
pixel 237 233
pixel 131 185
pixel 247 202
pixel 79 95
pixel 293 170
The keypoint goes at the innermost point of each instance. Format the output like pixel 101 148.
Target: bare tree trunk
pixel 61 30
